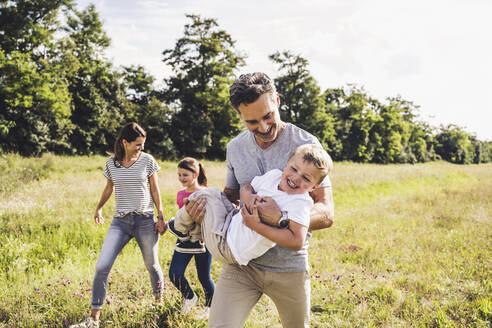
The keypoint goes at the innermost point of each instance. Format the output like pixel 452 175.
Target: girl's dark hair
pixel 191 164
pixel 130 132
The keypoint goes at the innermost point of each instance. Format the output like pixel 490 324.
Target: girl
pixel 133 175
pixel 192 176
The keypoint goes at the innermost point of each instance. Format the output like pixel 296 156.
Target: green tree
pixel 203 62
pixel 386 138
pixel 355 115
pixel 28 26
pixel 34 102
pixel 98 97
pixel 300 100
pixel 370 131
pixel 421 142
pixel 482 150
pixel 453 144
pixel 417 138
pixel 487 151
pixel 146 109
pixel 34 106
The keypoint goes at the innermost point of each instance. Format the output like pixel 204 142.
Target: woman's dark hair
pixel 130 132
pixel 191 164
pixel 247 88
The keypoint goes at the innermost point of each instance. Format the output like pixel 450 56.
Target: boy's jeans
pixel 121 231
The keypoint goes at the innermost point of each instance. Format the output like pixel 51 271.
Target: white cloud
pixel 434 53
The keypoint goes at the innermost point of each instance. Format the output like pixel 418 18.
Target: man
pixel 267 144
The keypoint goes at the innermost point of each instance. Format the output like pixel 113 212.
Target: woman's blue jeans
pixel 121 231
pixel 203 262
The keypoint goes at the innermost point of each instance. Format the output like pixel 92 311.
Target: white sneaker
pixel 203 315
pixel 188 304
pixel 87 323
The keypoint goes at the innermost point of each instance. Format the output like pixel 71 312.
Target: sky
pixel 435 53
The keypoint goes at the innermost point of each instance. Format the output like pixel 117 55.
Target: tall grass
pixel 410 247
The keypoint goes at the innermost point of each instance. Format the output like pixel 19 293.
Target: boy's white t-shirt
pixel 246 244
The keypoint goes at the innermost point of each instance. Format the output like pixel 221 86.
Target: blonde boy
pixel 228 232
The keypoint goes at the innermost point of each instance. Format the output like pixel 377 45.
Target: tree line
pixel 59 93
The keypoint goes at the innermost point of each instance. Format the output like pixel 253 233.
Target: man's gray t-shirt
pixel 245 160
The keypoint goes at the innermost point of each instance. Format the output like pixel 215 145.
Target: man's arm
pixel 322 213
pixel 292 238
pixel 232 195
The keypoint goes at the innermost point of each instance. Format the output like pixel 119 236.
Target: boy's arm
pixel 249 196
pixel 322 213
pixel 292 238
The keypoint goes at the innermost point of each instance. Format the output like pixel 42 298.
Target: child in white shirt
pixel 223 229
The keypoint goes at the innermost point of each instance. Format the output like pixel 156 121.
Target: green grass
pixel 410 247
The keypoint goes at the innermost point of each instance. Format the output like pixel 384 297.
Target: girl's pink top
pixel 180 196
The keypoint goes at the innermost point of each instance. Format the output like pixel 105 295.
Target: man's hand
pixel 195 208
pixel 160 227
pixel 322 213
pixel 269 211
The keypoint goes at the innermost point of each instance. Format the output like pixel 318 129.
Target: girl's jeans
pixel 121 231
pixel 203 263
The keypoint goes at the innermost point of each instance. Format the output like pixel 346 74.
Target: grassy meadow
pixel 410 247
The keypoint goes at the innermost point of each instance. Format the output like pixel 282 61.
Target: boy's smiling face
pixel 299 176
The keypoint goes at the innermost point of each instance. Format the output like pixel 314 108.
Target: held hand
pixel 249 200
pixel 195 208
pixel 160 227
pixel 269 211
pixel 98 218
pixel 250 219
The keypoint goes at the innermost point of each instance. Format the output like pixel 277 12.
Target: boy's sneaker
pixel 188 304
pixel 87 323
pixel 203 314
pixel 181 236
pixel 190 247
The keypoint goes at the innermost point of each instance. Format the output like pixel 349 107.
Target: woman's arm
pixel 108 190
pixel 292 238
pixel 161 225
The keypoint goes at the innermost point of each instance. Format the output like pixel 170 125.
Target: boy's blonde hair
pixel 315 154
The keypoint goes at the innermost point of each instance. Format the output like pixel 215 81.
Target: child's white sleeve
pixel 259 180
pixel 298 210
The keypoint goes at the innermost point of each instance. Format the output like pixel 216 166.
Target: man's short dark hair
pixel 249 87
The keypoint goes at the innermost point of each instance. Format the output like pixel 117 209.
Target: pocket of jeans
pixel 146 221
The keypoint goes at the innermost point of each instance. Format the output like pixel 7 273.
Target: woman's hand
pixel 98 218
pixel 160 226
pixel 108 190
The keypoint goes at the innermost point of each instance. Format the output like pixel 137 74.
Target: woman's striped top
pixel 131 184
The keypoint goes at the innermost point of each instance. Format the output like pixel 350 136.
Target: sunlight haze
pixel 436 54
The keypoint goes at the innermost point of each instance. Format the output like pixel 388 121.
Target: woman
pixel 133 175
